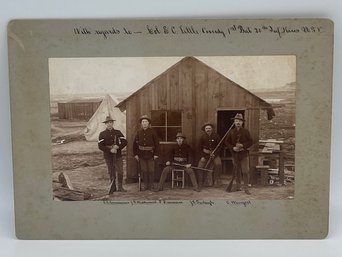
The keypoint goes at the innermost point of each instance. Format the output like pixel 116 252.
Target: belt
pixel 145 148
pixel 179 159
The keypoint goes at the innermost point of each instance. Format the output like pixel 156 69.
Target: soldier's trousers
pixel 167 170
pixel 241 165
pixel 147 170
pixel 115 169
pixel 217 169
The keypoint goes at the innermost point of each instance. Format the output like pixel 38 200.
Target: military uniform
pixel 146 146
pixel 181 154
pixel 241 157
pixel 207 144
pixel 107 139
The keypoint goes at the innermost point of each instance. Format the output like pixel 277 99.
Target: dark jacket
pixel 183 151
pixel 241 136
pixel 209 143
pixel 146 139
pixel 108 138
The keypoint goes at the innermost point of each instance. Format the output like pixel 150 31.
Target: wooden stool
pixel 177 175
pixel 264 174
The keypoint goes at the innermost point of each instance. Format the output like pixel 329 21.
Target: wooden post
pixel 70 195
pixel 264 174
pixel 281 167
pixel 65 181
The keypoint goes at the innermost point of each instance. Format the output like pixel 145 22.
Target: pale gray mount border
pixel 32 42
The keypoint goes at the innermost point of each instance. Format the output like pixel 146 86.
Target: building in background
pixel 182 99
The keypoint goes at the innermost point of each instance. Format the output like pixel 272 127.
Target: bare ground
pixel 83 162
pixel 95 180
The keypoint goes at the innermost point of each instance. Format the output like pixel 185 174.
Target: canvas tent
pixel 107 107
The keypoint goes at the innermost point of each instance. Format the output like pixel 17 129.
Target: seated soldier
pixel 208 142
pixel 181 154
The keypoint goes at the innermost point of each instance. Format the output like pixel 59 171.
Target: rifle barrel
pixel 218 145
pixel 193 167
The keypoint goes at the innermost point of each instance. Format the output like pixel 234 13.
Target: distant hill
pixel 287 87
pixel 284 94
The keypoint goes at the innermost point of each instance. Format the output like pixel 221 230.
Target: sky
pixel 128 74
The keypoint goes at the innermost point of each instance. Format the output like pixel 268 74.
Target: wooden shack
pixel 78 109
pixel 183 98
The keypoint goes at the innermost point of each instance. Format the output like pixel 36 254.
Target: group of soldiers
pixel 146 150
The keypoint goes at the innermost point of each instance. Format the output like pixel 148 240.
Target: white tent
pixel 107 108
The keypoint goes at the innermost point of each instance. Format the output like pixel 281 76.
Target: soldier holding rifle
pixel 209 142
pixel 238 141
pixel 111 142
pixel 180 156
pixel 146 151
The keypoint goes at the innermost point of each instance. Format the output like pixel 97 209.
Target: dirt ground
pixel 83 163
pixel 95 181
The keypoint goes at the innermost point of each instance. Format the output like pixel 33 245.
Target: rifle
pixel 217 147
pixel 193 167
pixel 113 171
pixel 139 175
pixel 230 185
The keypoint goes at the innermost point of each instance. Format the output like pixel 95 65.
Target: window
pixel 167 124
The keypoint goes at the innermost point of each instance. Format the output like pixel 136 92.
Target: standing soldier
pixel 111 142
pixel 145 150
pixel 181 153
pixel 238 141
pixel 207 143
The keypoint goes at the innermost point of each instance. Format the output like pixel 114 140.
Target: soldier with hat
pixel 181 153
pixel 207 143
pixel 238 141
pixel 146 151
pixel 111 142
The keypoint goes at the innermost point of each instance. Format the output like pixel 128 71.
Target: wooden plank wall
pixel 196 90
pixel 77 111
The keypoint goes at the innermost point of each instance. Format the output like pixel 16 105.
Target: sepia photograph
pixel 173 128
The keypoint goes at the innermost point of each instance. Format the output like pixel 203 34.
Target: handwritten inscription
pixel 192 31
pixel 239 203
pixel 143 202
pixel 192 203
pixel 202 202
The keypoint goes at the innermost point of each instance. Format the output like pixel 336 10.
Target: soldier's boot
pixel 161 181
pixel 217 181
pixel 120 188
pixel 159 187
pixel 152 186
pixel 245 184
pixel 238 180
pixel 112 187
pixel 200 183
pixel 145 180
pixel 194 182
pixel 210 178
pixel 238 187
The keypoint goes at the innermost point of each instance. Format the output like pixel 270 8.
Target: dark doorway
pixel 224 121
